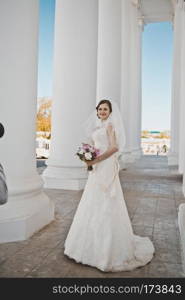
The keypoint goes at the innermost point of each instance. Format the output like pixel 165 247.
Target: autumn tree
pixel 44 117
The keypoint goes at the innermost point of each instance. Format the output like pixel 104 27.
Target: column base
pixel 183 185
pixel 172 158
pixel 67 178
pixel 20 218
pixel 128 158
pixel 122 162
pixel 131 156
pixel 180 170
pixel 181 165
pixel 137 153
pixel 125 159
pixel 181 223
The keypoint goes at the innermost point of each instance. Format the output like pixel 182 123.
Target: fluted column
pixel 175 104
pixel 109 50
pixel 74 89
pixel 131 78
pixel 28 208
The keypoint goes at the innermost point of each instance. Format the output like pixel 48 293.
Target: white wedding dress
pixel 101 233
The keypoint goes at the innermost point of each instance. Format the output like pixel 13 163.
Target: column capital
pixel 141 23
pixel 140 18
pixel 179 8
pixel 174 2
pixel 178 4
pixel 181 3
pixel 136 3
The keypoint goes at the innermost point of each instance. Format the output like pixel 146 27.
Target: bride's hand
pixel 89 162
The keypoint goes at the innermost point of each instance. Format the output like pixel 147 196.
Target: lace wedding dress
pixel 101 234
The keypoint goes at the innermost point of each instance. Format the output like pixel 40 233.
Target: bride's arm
pixel 111 149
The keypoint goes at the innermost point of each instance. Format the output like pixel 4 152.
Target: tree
pixel 44 117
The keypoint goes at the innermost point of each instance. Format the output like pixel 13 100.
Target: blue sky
pixel 46 36
pixel 156 67
pixel 156 76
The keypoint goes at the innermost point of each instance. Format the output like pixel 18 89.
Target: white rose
pixel 81 152
pixel 88 156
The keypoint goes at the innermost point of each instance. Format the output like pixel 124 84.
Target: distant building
pixel 152 132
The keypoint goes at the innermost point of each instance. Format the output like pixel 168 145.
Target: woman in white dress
pixel 101 234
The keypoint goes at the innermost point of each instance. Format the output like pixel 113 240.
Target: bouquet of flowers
pixel 87 152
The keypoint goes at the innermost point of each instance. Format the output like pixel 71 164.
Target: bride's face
pixel 103 111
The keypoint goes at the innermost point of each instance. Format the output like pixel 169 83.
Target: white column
pixel 175 104
pixel 182 99
pixel 181 209
pixel 74 90
pixel 125 75
pixel 109 50
pixel 28 208
pixel 131 79
pixel 181 160
pixel 136 85
pixel 181 38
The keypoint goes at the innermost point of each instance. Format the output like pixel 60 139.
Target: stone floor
pixel 152 193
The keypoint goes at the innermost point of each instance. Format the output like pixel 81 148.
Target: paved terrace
pixel 152 192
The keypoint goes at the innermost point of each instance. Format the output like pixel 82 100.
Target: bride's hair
pixel 104 101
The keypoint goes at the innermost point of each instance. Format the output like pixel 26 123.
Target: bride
pixel 101 234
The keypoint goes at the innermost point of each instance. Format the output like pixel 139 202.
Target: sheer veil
pixel 93 122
